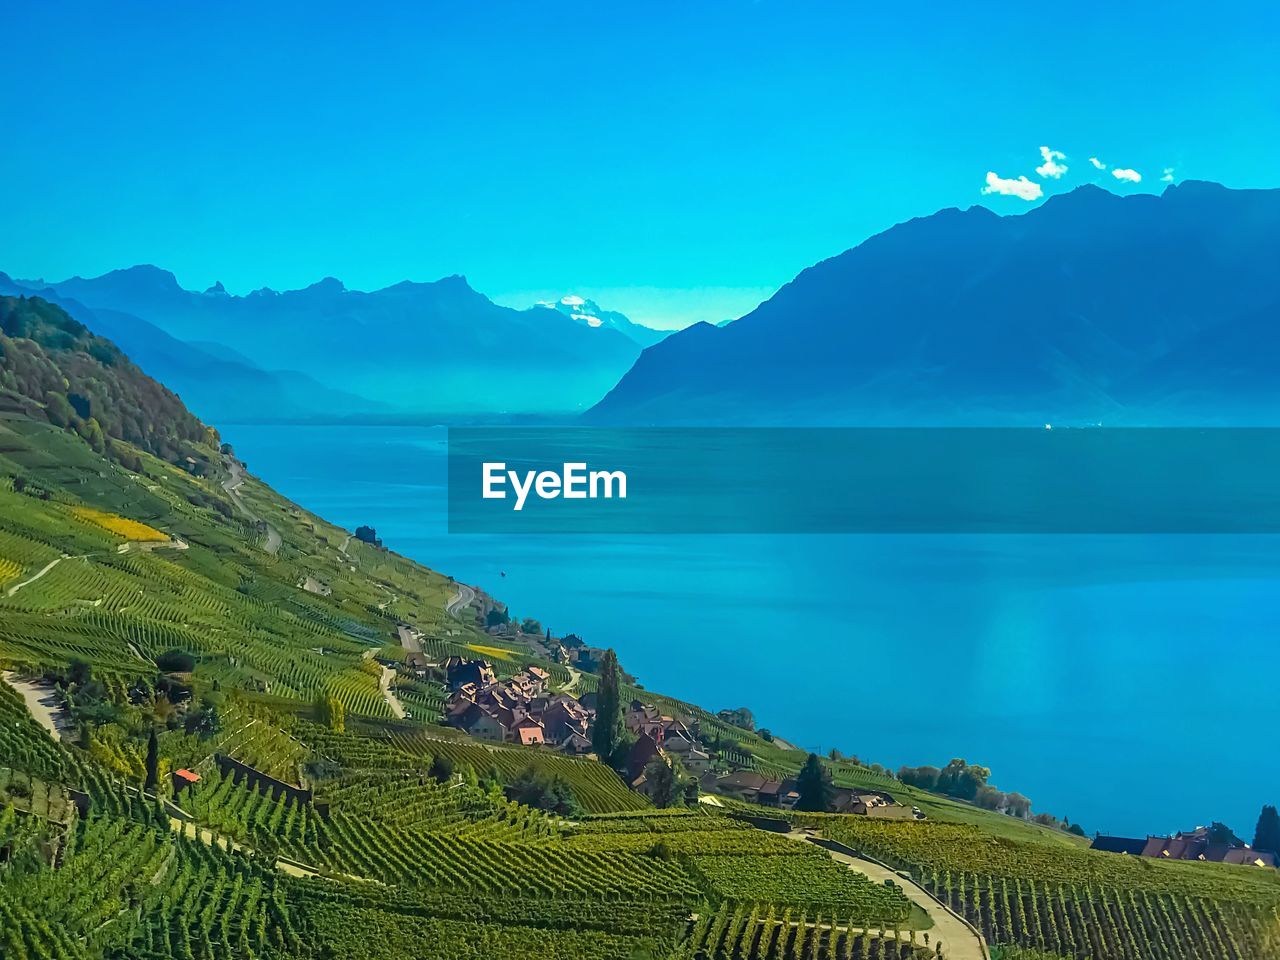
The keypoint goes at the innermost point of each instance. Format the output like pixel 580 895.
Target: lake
pixel 1125 682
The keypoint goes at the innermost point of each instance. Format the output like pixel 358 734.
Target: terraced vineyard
pixel 1077 902
pixel 598 788
pixel 807 879
pixel 742 932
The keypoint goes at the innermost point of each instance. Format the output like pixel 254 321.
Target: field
pixel 121 526
pixel 1077 902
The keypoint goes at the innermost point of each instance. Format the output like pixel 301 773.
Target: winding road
pixel 232 487
pixel 461 600
pixel 959 940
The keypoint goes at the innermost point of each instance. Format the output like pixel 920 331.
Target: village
pixel 523 710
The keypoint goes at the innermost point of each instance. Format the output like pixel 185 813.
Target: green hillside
pixel 162 610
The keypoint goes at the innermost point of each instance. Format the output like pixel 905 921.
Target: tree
pixel 814 786
pixel 442 769
pixel 989 798
pixel 176 661
pixel 336 714
pixel 961 779
pixel 608 725
pixel 924 777
pixel 1016 805
pixel 535 788
pixel 153 761
pixel 691 791
pixel 58 410
pixel 1267 835
pixel 204 721
pixel 660 781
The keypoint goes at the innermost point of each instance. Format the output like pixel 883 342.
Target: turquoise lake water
pixel 1128 683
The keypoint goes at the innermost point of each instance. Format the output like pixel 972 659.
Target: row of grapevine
pixel 1077 902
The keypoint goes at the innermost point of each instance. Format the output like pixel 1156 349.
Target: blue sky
pixel 677 161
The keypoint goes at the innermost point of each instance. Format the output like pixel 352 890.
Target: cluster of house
pixel 755 787
pixel 1187 845
pixel 519 709
pixel 660 734
pixel 674 736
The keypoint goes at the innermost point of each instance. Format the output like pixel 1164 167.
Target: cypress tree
pixel 1267 835
pixel 153 761
pixel 608 725
pixel 814 787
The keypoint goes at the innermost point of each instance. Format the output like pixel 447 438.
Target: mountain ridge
pixel 1064 313
pixel 434 347
pixel 216 380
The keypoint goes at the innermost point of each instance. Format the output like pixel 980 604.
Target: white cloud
pixel 1168 175
pixel 1097 164
pixel 1021 187
pixel 1051 168
pixel 1131 176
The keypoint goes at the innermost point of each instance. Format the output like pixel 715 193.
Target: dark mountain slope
pixel 1092 307
pixel 214 380
pixel 53 368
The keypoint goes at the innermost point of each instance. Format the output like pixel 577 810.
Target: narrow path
pixel 574 677
pixel 959 940
pixel 43 570
pixel 146 546
pixel 462 599
pixel 232 487
pixel 384 684
pixel 409 638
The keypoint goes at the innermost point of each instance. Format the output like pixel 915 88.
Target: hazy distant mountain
pixel 428 348
pixel 1092 307
pixel 217 382
pixel 589 314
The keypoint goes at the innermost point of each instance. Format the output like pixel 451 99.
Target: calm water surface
pixel 1125 682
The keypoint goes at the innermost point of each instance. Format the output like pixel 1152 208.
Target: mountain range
pixel 590 314
pixel 421 349
pixel 1090 308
